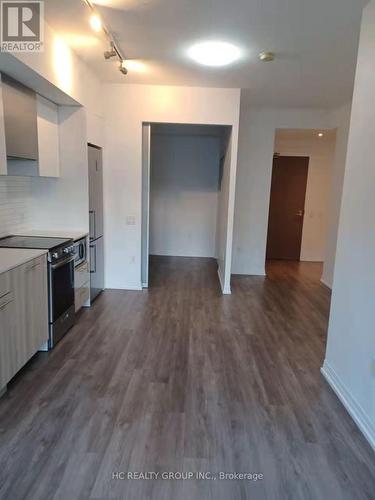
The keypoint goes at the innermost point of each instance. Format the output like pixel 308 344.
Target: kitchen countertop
pixel 14 257
pixel 74 235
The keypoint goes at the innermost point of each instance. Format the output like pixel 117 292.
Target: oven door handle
pixel 63 262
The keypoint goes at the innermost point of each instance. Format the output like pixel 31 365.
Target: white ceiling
pixel 315 42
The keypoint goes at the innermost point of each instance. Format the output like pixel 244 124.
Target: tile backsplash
pixel 15 204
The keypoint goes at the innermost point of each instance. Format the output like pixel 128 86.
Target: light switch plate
pixel 130 220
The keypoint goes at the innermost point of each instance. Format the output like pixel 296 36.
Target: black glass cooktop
pixel 34 242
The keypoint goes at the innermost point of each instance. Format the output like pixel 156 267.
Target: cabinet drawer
pixel 82 295
pixel 4 283
pixel 81 275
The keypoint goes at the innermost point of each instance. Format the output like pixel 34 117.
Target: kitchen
pixel 47 275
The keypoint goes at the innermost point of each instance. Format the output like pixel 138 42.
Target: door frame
pixel 146 172
pixel 224 267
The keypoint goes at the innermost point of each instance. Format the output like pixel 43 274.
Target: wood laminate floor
pixel 180 378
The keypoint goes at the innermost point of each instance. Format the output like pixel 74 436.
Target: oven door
pixel 61 277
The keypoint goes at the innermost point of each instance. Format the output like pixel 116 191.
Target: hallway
pixel 197 381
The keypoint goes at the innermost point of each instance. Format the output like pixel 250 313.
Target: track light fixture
pixel 98 26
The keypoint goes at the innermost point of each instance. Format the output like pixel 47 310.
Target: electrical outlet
pixel 130 220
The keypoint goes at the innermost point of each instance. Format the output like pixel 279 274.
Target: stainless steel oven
pixel 80 251
pixel 61 296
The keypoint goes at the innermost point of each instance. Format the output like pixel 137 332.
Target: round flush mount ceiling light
pixel 214 53
pixel 320 134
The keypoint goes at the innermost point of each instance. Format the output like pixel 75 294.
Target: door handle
pixel 62 263
pixel 300 213
pixel 93 271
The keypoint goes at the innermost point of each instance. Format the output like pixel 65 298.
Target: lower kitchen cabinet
pixel 7 337
pixel 23 316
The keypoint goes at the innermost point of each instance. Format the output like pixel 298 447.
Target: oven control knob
pixel 66 250
pixel 55 255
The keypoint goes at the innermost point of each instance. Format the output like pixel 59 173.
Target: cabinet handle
pixel 31 268
pixel 3 306
pixel 4 294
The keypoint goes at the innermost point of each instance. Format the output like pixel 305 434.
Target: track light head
pixel 123 68
pixel 266 56
pixel 108 54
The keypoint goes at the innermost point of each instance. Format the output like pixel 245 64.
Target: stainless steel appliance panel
pixel 96 268
pixel 80 251
pixel 95 192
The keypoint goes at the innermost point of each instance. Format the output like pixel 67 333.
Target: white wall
pixel 62 203
pixel 62 68
pixel 59 203
pixel 318 190
pixel 341 119
pixel 184 195
pixel 256 148
pixel 123 162
pixel 15 205
pixel 350 358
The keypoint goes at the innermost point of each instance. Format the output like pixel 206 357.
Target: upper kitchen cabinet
pixel 29 132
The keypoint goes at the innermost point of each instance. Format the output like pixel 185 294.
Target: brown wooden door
pixel 288 193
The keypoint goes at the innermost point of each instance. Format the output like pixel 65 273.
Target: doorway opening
pixel 185 203
pixel 300 195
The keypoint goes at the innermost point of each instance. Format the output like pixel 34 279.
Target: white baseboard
pixel 130 288
pixel 246 272
pixel 325 283
pixel 354 409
